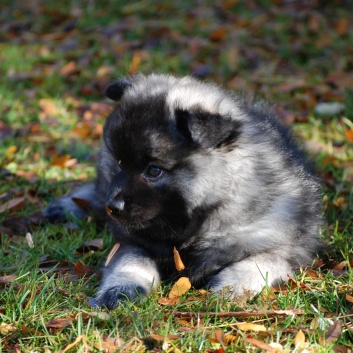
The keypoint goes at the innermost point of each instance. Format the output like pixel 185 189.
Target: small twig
pixel 240 314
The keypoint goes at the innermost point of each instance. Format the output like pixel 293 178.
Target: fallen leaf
pixel 58 323
pixel 161 338
pixel 6 329
pixel 180 287
pixel 70 68
pixel 109 344
pixel 29 240
pixel 82 269
pixel 48 107
pixel 342 26
pixel 11 150
pixel 100 314
pixel 349 135
pixel 112 253
pixel 179 265
pixel 349 298
pixel 82 203
pixel 168 301
pixel 77 340
pixel 276 346
pixel 104 71
pixel 5 280
pixel 218 34
pixel 62 161
pixel 90 245
pixel 299 340
pixel 82 129
pixel 13 205
pixel 248 326
pixel 135 62
pixel 218 335
pixel 260 344
pixel 334 331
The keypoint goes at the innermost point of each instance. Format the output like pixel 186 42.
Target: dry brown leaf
pixel 183 322
pixel 342 26
pixel 260 344
pixel 340 266
pixel 112 253
pixel 82 269
pixel 334 331
pixel 248 326
pixel 161 338
pixel 179 265
pixel 349 298
pixel 82 203
pixel 70 68
pixel 58 323
pixel 13 205
pixel 180 287
pixel 218 335
pixel 168 301
pixel 5 280
pixel 218 34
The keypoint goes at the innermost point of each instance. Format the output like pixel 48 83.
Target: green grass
pixel 282 53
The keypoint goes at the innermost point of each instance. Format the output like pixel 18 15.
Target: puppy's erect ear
pixel 207 130
pixel 116 90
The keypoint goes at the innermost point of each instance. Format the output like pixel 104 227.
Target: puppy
pixel 189 165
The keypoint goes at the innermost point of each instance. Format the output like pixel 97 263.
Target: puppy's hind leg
pixel 250 275
pixel 59 209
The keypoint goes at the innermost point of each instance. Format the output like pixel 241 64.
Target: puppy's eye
pixel 153 172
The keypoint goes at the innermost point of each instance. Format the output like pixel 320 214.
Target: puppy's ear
pixel 207 130
pixel 116 90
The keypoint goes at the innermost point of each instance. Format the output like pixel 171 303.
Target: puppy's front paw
pixel 112 296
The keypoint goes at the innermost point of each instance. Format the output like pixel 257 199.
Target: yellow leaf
pixel 179 265
pixel 180 287
pixel 168 301
pixel 299 339
pixel 48 107
pixel 349 135
pixel 11 150
pixel 251 327
pixel 6 329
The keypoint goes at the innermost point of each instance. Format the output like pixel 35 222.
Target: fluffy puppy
pixel 189 165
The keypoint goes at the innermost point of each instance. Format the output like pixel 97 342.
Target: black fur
pixel 188 165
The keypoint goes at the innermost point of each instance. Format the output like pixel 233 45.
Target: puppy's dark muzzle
pixel 114 207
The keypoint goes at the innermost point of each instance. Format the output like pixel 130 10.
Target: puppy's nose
pixel 114 206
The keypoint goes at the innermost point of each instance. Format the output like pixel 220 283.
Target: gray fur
pixel 235 196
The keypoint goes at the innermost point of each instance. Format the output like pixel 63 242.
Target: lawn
pixel 56 58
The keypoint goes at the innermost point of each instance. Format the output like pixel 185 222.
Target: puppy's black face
pixel 148 153
pixel 156 147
